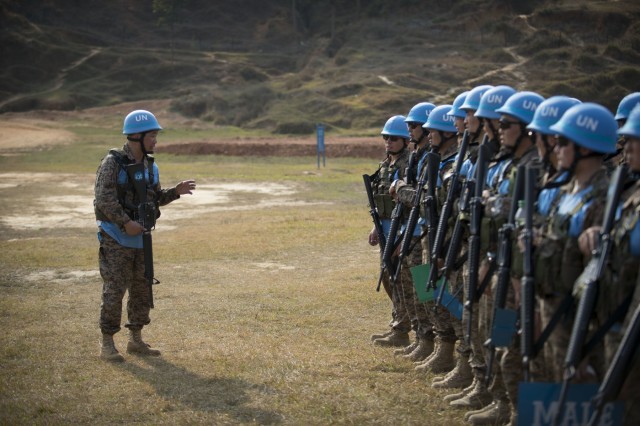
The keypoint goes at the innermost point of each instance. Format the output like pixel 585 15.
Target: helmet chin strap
pixel 420 139
pixel 577 156
pixel 404 146
pixel 443 141
pixel 141 141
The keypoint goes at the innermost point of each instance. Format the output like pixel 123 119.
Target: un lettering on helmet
pixel 587 122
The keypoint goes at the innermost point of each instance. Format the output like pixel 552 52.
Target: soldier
pixel 396 137
pixel 443 137
pixel 550 181
pixel 421 322
pixel 517 148
pixel 475 395
pixel 121 254
pixel 626 105
pixel 460 376
pixel 622 278
pixel 586 133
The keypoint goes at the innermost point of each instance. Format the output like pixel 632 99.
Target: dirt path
pixel 57 82
pixel 512 69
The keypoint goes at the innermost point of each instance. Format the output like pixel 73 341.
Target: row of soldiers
pixel 496 216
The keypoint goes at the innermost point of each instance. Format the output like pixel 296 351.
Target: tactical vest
pixel 622 275
pixel 558 260
pixel 125 188
pixel 386 175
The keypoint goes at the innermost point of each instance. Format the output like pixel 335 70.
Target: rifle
pixel 430 203
pixel 616 374
pixel 587 285
pixel 373 210
pixel 527 297
pixel 505 238
pixel 447 208
pixel 430 167
pixel 392 242
pixel 475 225
pixel 410 173
pixel 146 214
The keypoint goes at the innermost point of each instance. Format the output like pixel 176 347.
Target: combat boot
pixel 478 411
pixel 407 349
pixel 497 414
pixel 463 392
pixel 137 346
pixel 381 335
pixel 441 360
pixel 396 339
pixel 460 377
pixel 477 398
pixel 108 350
pixel 422 351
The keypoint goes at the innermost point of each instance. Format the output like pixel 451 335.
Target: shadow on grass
pixel 223 395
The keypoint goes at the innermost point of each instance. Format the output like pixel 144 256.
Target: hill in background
pixel 282 66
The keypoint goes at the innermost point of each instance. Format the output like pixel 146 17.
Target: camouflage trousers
pixel 510 365
pixel 420 313
pixel 400 319
pixel 456 288
pixel 480 322
pixel 122 269
pixel 556 346
pixel 443 321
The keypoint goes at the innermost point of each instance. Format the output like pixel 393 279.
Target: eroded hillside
pixel 283 66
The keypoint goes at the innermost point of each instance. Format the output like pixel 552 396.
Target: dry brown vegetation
pixel 263 315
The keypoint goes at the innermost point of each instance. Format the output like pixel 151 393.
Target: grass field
pixel 263 315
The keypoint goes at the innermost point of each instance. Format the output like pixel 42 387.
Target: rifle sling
pixel 487 279
pixel 616 316
pixel 560 313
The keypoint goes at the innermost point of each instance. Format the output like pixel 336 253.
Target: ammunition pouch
pixel 548 266
pixel 384 204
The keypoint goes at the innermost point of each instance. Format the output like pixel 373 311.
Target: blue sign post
pixel 320 144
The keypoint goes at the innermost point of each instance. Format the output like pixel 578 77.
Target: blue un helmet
pixel 549 112
pixel 627 104
pixel 522 106
pixel 440 119
pixel 632 126
pixel 419 113
pixel 140 121
pixel 395 126
pixel 473 97
pixel 589 125
pixel 459 100
pixel 493 99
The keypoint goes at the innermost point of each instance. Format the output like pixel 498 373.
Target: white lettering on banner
pixel 530 105
pixel 550 111
pixel 142 117
pixel 494 99
pixel 574 414
pixel 587 122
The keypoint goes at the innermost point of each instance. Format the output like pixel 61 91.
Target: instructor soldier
pixel 121 255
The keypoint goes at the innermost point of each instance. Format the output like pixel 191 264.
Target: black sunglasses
pixel 561 141
pixel 391 138
pixel 505 124
pixel 413 124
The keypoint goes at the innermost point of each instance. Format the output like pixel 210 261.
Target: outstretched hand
pixel 186 187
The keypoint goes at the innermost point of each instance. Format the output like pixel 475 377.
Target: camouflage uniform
pixel 420 312
pixel 622 280
pixel 559 262
pixel 509 371
pixel 389 172
pixel 122 267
